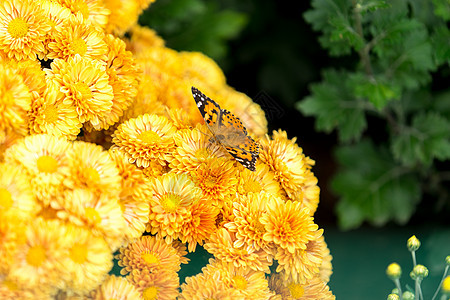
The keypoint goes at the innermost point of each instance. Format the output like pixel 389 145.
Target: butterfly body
pixel 227 130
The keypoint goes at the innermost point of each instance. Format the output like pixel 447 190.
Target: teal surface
pixel 360 258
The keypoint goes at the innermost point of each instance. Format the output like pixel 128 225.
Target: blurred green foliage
pixel 391 116
pixel 194 25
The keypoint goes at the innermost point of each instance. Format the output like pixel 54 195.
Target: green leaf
pixel 426 139
pixel 373 187
pixel 440 40
pixel 442 9
pixel 334 107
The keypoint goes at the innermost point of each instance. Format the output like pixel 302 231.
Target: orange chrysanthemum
pixel 291 168
pixel 32 74
pixel 260 181
pixel 124 14
pixel 216 177
pixel 246 225
pixel 148 253
pixel 193 149
pixel 12 235
pixel 116 287
pixel 15 101
pixel 49 114
pixel 326 269
pixel 290 290
pixel 45 160
pixel 221 245
pixel 200 68
pixel 85 85
pixel 250 284
pixel 170 205
pixel 288 225
pixel 162 284
pixel 92 10
pixel 77 36
pixel 143 38
pixel 206 287
pixel 144 139
pixel 200 224
pixel 23 29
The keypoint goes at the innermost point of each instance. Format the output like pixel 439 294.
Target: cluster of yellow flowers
pixel 103 150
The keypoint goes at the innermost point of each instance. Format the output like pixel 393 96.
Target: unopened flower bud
pixel 408 296
pixel 419 272
pixel 394 271
pixel 447 260
pixel 413 243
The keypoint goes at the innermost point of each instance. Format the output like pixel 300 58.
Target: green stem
pixel 364 51
pixel 440 283
pixel 399 287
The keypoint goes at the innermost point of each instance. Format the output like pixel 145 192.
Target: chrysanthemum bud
pixel 447 260
pixel 394 271
pixel 419 272
pixel 408 296
pixel 413 243
pixel 446 285
pixel 393 297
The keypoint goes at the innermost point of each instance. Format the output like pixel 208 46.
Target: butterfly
pixel 227 130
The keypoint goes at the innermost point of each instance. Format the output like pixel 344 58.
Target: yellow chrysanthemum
pixel 142 38
pixel 38 261
pixel 221 245
pixel 181 250
pixel 92 168
pixel 216 177
pixel 88 260
pixel 290 290
pixel 32 74
pixel 23 29
pixel 12 235
pixel 250 284
pixel 200 224
pixel 45 159
pixel 180 119
pixel 288 225
pixel 15 101
pixel 148 253
pixel 49 114
pixel 101 214
pixel 124 14
pixel 193 149
pixel 291 168
pixel 92 10
pixel 17 197
pixel 162 65
pixel 249 112
pixel 85 85
pixel 326 269
pixel 118 288
pixel 301 265
pixel 206 287
pixel 76 36
pixel 11 290
pixel 7 141
pixel 260 181
pixel 134 196
pixel 246 225
pixel 158 285
pixel 145 138
pixel 170 205
pixel 57 14
pixel 200 68
pixel 123 76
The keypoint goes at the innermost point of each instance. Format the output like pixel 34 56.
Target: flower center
pixel 18 28
pixel 50 114
pixel 296 290
pixel 92 215
pixel 78 46
pixel 252 186
pixel 202 153
pixel 149 137
pixel 36 256
pixel 150 293
pixel 170 202
pixel 5 199
pixel 83 89
pixel 150 258
pixel 78 253
pixel 239 282
pixel 47 164
pixel 259 227
pixel 92 175
pixel 12 286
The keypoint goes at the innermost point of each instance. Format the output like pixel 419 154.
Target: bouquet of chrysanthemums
pixel 111 148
